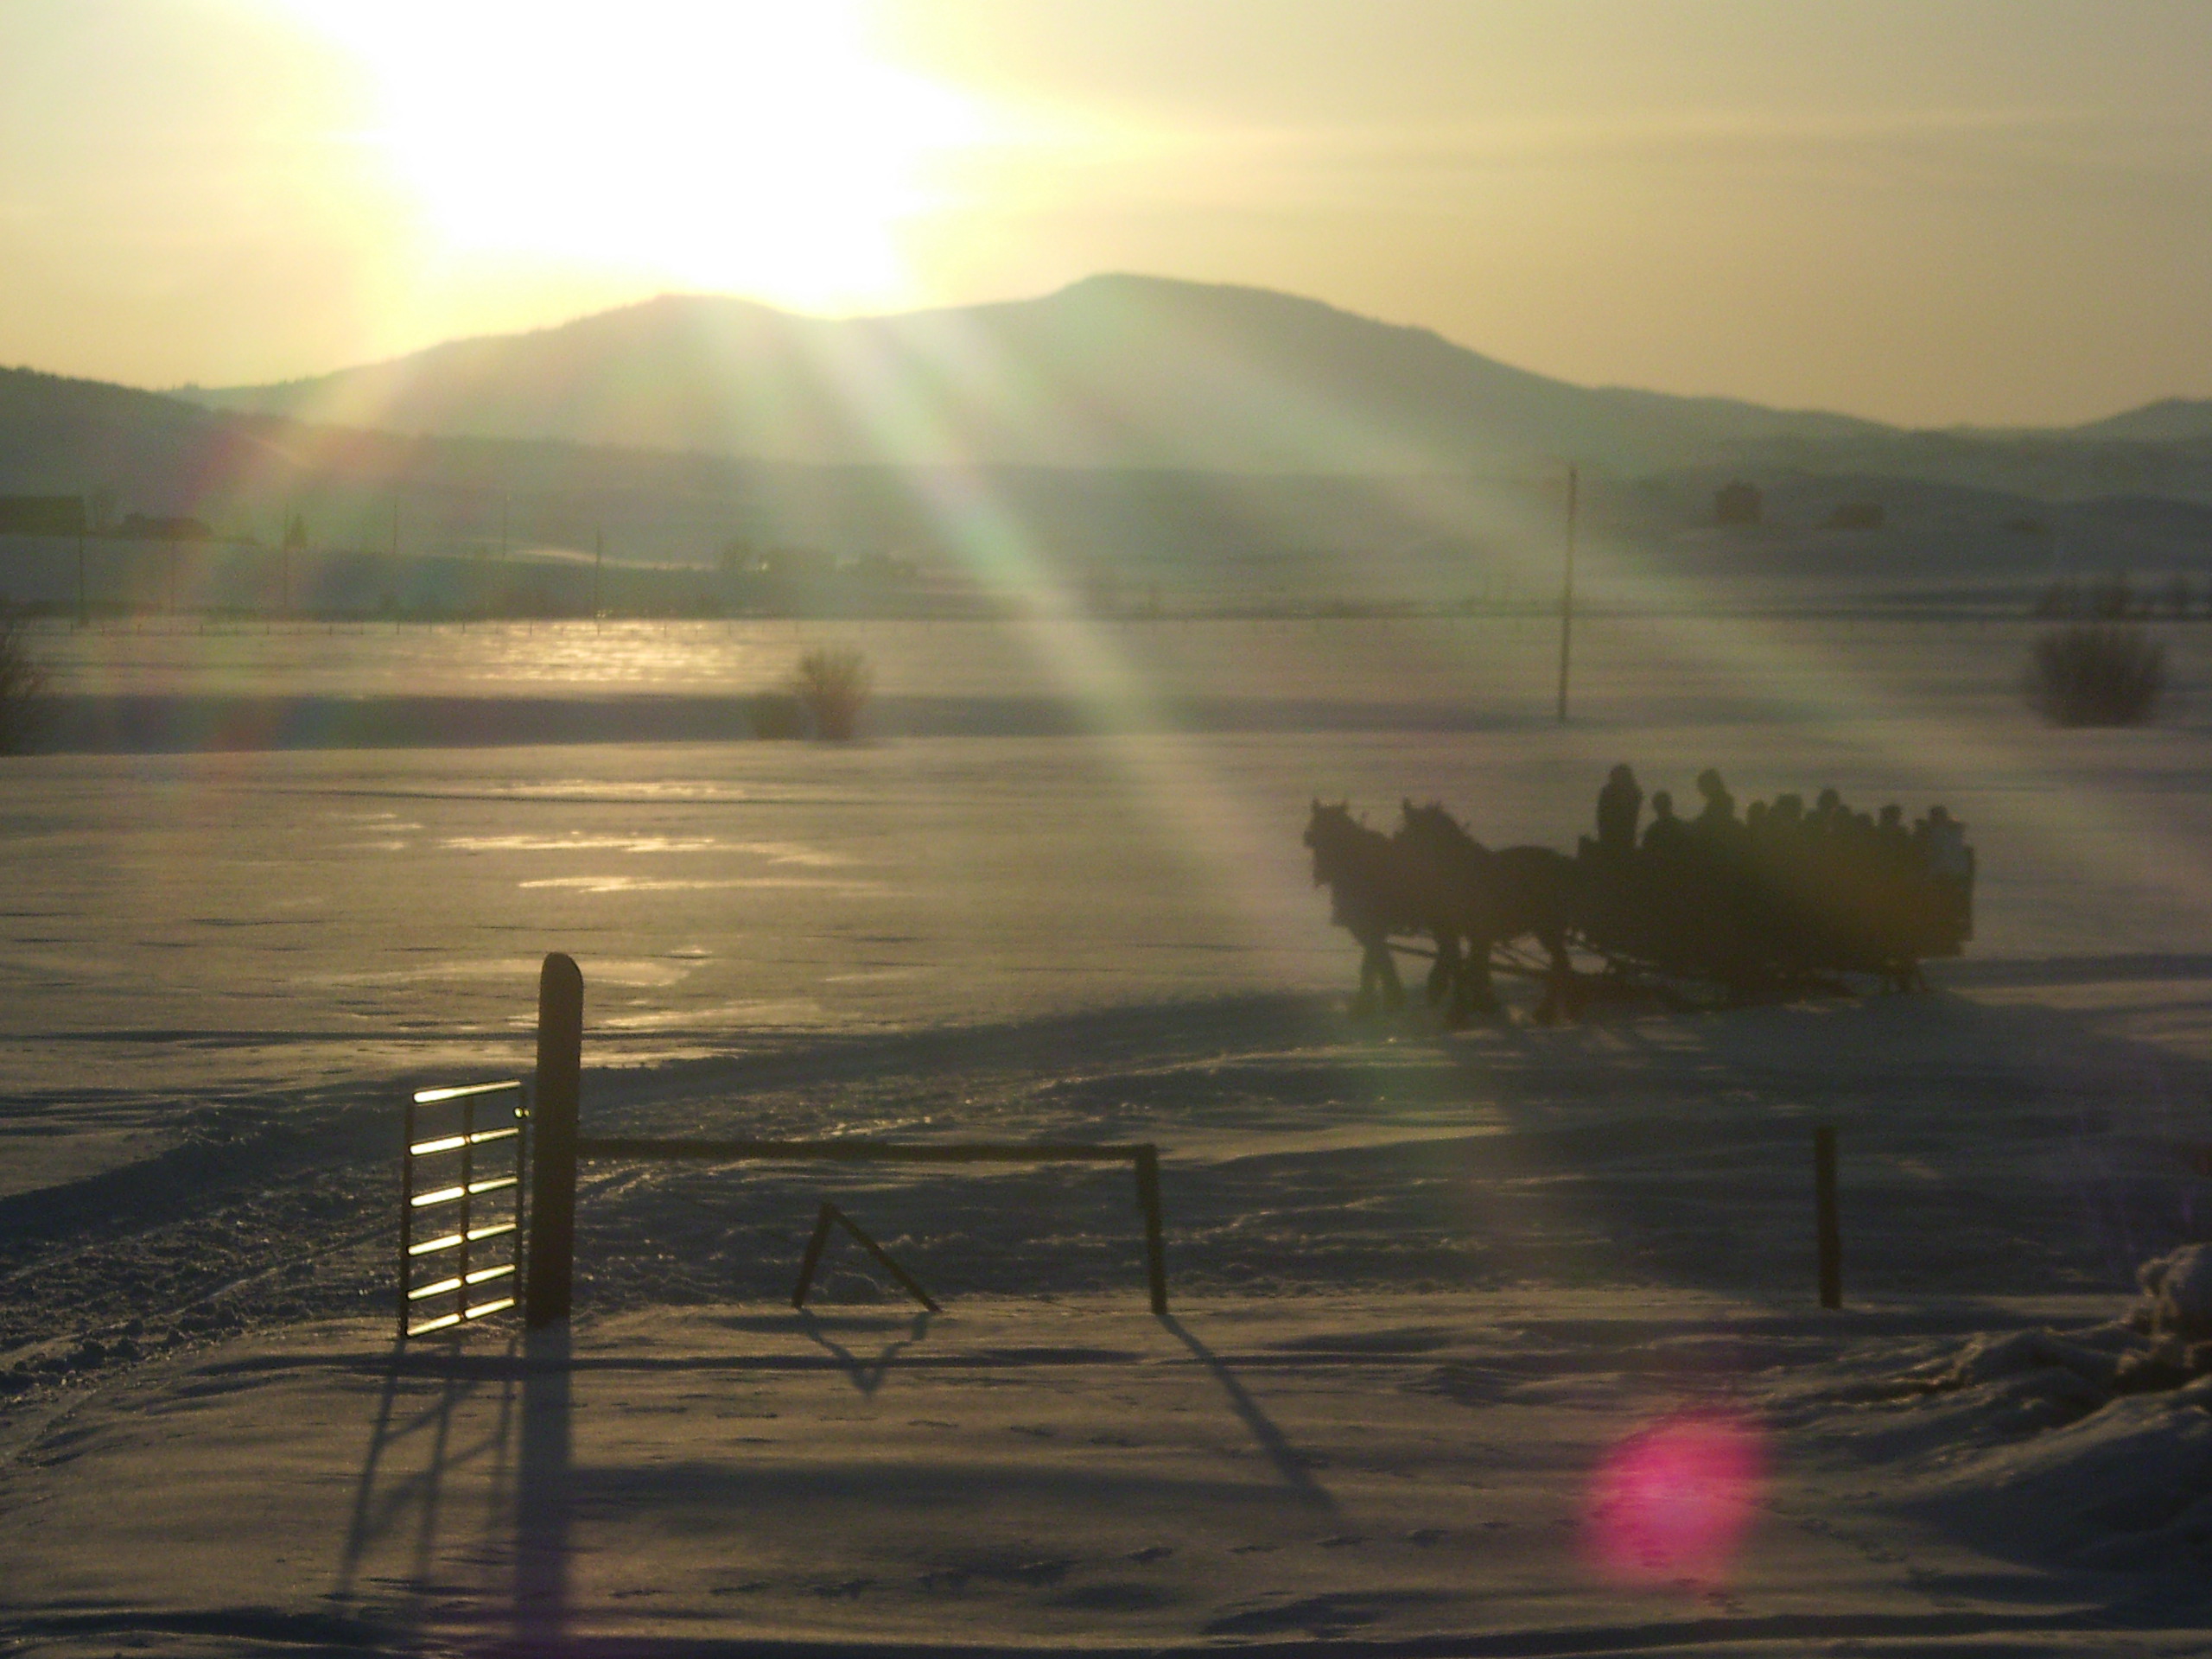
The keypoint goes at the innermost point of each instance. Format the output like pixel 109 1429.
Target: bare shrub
pixel 2096 674
pixel 832 684
pixel 778 716
pixel 23 706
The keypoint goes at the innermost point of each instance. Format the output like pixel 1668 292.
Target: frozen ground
pixel 249 931
pixel 1416 1477
pixel 217 968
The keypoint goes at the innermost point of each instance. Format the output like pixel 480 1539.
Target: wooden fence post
pixel 554 1104
pixel 1828 1223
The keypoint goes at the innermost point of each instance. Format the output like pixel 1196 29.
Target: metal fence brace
pixel 473 1219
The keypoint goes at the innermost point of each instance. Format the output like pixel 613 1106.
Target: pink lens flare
pixel 1672 1502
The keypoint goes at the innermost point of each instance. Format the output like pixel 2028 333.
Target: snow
pixel 1009 1474
pixel 1425 1284
pixel 2178 1291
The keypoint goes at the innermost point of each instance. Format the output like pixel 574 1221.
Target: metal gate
pixel 460 1208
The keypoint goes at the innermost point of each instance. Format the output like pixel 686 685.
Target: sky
pixel 1927 212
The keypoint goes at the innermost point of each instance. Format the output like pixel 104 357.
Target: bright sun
pixel 726 145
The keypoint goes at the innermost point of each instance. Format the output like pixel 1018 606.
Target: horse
pixel 1368 896
pixel 1488 897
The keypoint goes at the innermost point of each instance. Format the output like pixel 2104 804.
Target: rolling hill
pixel 1123 436
pixel 1113 371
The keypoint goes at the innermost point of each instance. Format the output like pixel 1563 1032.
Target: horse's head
pixel 1329 830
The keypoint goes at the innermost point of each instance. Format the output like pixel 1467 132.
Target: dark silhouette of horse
pixel 1466 891
pixel 1368 896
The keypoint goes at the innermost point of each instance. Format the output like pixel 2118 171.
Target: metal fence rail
pixel 472 1200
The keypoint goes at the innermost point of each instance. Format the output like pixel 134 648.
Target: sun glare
pixel 744 147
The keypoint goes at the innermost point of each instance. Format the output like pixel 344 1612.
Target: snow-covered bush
pixel 2096 674
pixel 833 684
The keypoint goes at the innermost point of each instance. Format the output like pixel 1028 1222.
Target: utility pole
pixel 597 565
pixel 84 617
pixel 1566 596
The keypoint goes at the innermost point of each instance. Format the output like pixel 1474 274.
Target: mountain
pixel 1125 435
pixel 51 426
pixel 1113 371
pixel 2172 420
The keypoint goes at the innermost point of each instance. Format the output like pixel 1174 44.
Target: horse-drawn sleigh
pixel 1715 911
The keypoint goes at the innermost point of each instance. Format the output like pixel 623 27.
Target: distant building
pixel 1856 515
pixel 1737 504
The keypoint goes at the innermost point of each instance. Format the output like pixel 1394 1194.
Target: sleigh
pixel 1743 912
pixel 1747 922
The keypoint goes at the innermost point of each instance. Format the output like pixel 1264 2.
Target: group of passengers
pixel 1782 889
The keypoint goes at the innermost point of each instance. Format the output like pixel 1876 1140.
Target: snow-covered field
pixel 1428 1284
